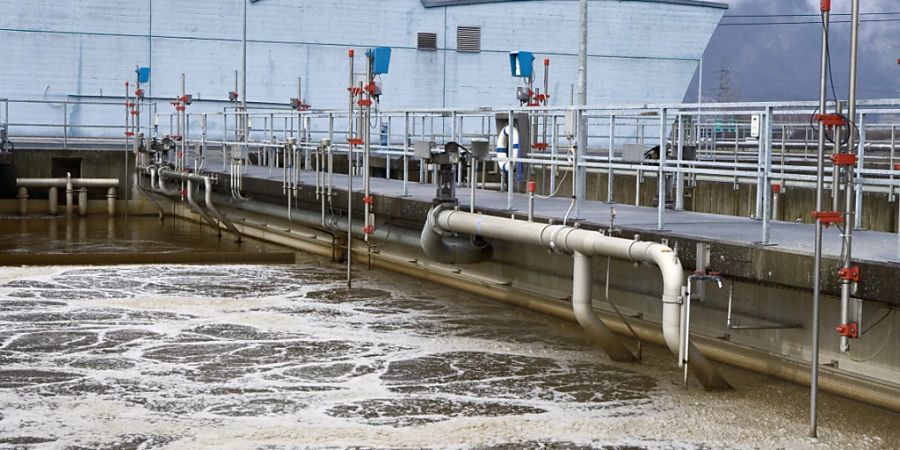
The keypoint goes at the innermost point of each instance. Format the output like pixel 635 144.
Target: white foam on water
pixel 188 357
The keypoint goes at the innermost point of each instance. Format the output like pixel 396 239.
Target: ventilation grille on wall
pixel 468 39
pixel 427 41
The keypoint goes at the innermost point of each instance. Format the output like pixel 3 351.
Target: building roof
pixel 444 3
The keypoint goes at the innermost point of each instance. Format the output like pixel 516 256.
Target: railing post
pixel 766 134
pixel 860 177
pixel 511 164
pixel 65 125
pixel 611 173
pixel 406 154
pixel 661 177
pixel 679 176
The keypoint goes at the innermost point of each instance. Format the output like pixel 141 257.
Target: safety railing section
pixel 769 145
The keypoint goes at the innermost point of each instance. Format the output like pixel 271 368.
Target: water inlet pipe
pixel 585 244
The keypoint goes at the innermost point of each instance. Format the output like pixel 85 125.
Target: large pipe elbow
pixel 448 249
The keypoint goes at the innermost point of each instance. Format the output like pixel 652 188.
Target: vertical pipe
pixel 510 164
pixel 661 177
pixel 406 154
pixel 82 202
pixel 820 187
pixel 70 196
pixel 243 94
pixel 22 196
pixel 111 196
pixel 553 152
pixel 766 134
pixel 66 125
pixel 679 177
pixel 835 169
pixel 53 198
pixel 350 182
pixel 579 183
pixel 611 173
pixel 855 205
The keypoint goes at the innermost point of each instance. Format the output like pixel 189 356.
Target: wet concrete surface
pixel 284 357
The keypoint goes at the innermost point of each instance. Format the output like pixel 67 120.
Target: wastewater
pixel 286 357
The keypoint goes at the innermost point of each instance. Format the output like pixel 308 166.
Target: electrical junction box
pixel 754 126
pixel 633 153
pixel 571 123
pixel 423 149
pixel 143 74
pixel 381 59
pixel 521 64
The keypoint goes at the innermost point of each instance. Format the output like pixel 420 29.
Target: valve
pixel 848 330
pixel 233 96
pixel 850 274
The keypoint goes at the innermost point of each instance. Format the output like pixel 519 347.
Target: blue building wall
pixel 640 51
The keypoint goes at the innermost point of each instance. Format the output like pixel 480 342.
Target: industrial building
pixel 433 224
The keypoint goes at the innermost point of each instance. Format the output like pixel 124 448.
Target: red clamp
pixel 371 88
pixel 828 217
pixel 844 159
pixel 134 112
pixel 364 102
pixel 532 187
pixel 776 188
pixel 850 330
pixel 896 166
pixel 369 200
pixel 129 104
pixel 129 133
pixel 832 120
pixel 369 229
pixel 541 145
pixel 849 274
pixel 355 141
pixel 139 93
pixel 355 90
pixel 826 5
pixel 541 97
pixel 533 104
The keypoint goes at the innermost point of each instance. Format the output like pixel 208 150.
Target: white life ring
pixel 503 147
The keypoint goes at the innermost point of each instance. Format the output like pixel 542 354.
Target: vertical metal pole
pixel 820 188
pixel 244 60
pixel 611 173
pixel 553 150
pixel 855 180
pixel 406 154
pixel 511 165
pixel 761 162
pixel 679 176
pixel 66 125
pixel 579 172
pixel 766 133
pixel 661 177
pixel 350 181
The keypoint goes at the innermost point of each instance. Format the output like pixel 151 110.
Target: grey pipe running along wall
pixel 591 243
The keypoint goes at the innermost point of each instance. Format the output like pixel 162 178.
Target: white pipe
pixel 61 182
pixel 570 240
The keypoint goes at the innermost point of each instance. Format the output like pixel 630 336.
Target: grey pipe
pixel 582 306
pixel 207 197
pixel 53 201
pixel 443 247
pixel 200 211
pixel 70 196
pixel 570 240
pixel 61 182
pixel 82 202
pixel 334 223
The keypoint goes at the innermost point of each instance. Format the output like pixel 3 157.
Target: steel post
pixel 661 177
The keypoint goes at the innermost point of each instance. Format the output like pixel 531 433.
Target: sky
pixel 781 62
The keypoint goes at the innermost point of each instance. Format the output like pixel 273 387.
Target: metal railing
pixel 760 144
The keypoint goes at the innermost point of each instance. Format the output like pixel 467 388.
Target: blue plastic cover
pixel 521 64
pixel 143 74
pixel 382 59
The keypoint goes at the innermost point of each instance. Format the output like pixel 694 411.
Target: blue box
pixel 521 64
pixel 381 59
pixel 143 74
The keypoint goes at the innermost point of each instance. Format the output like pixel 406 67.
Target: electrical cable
pixel 634 334
pixel 887 338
